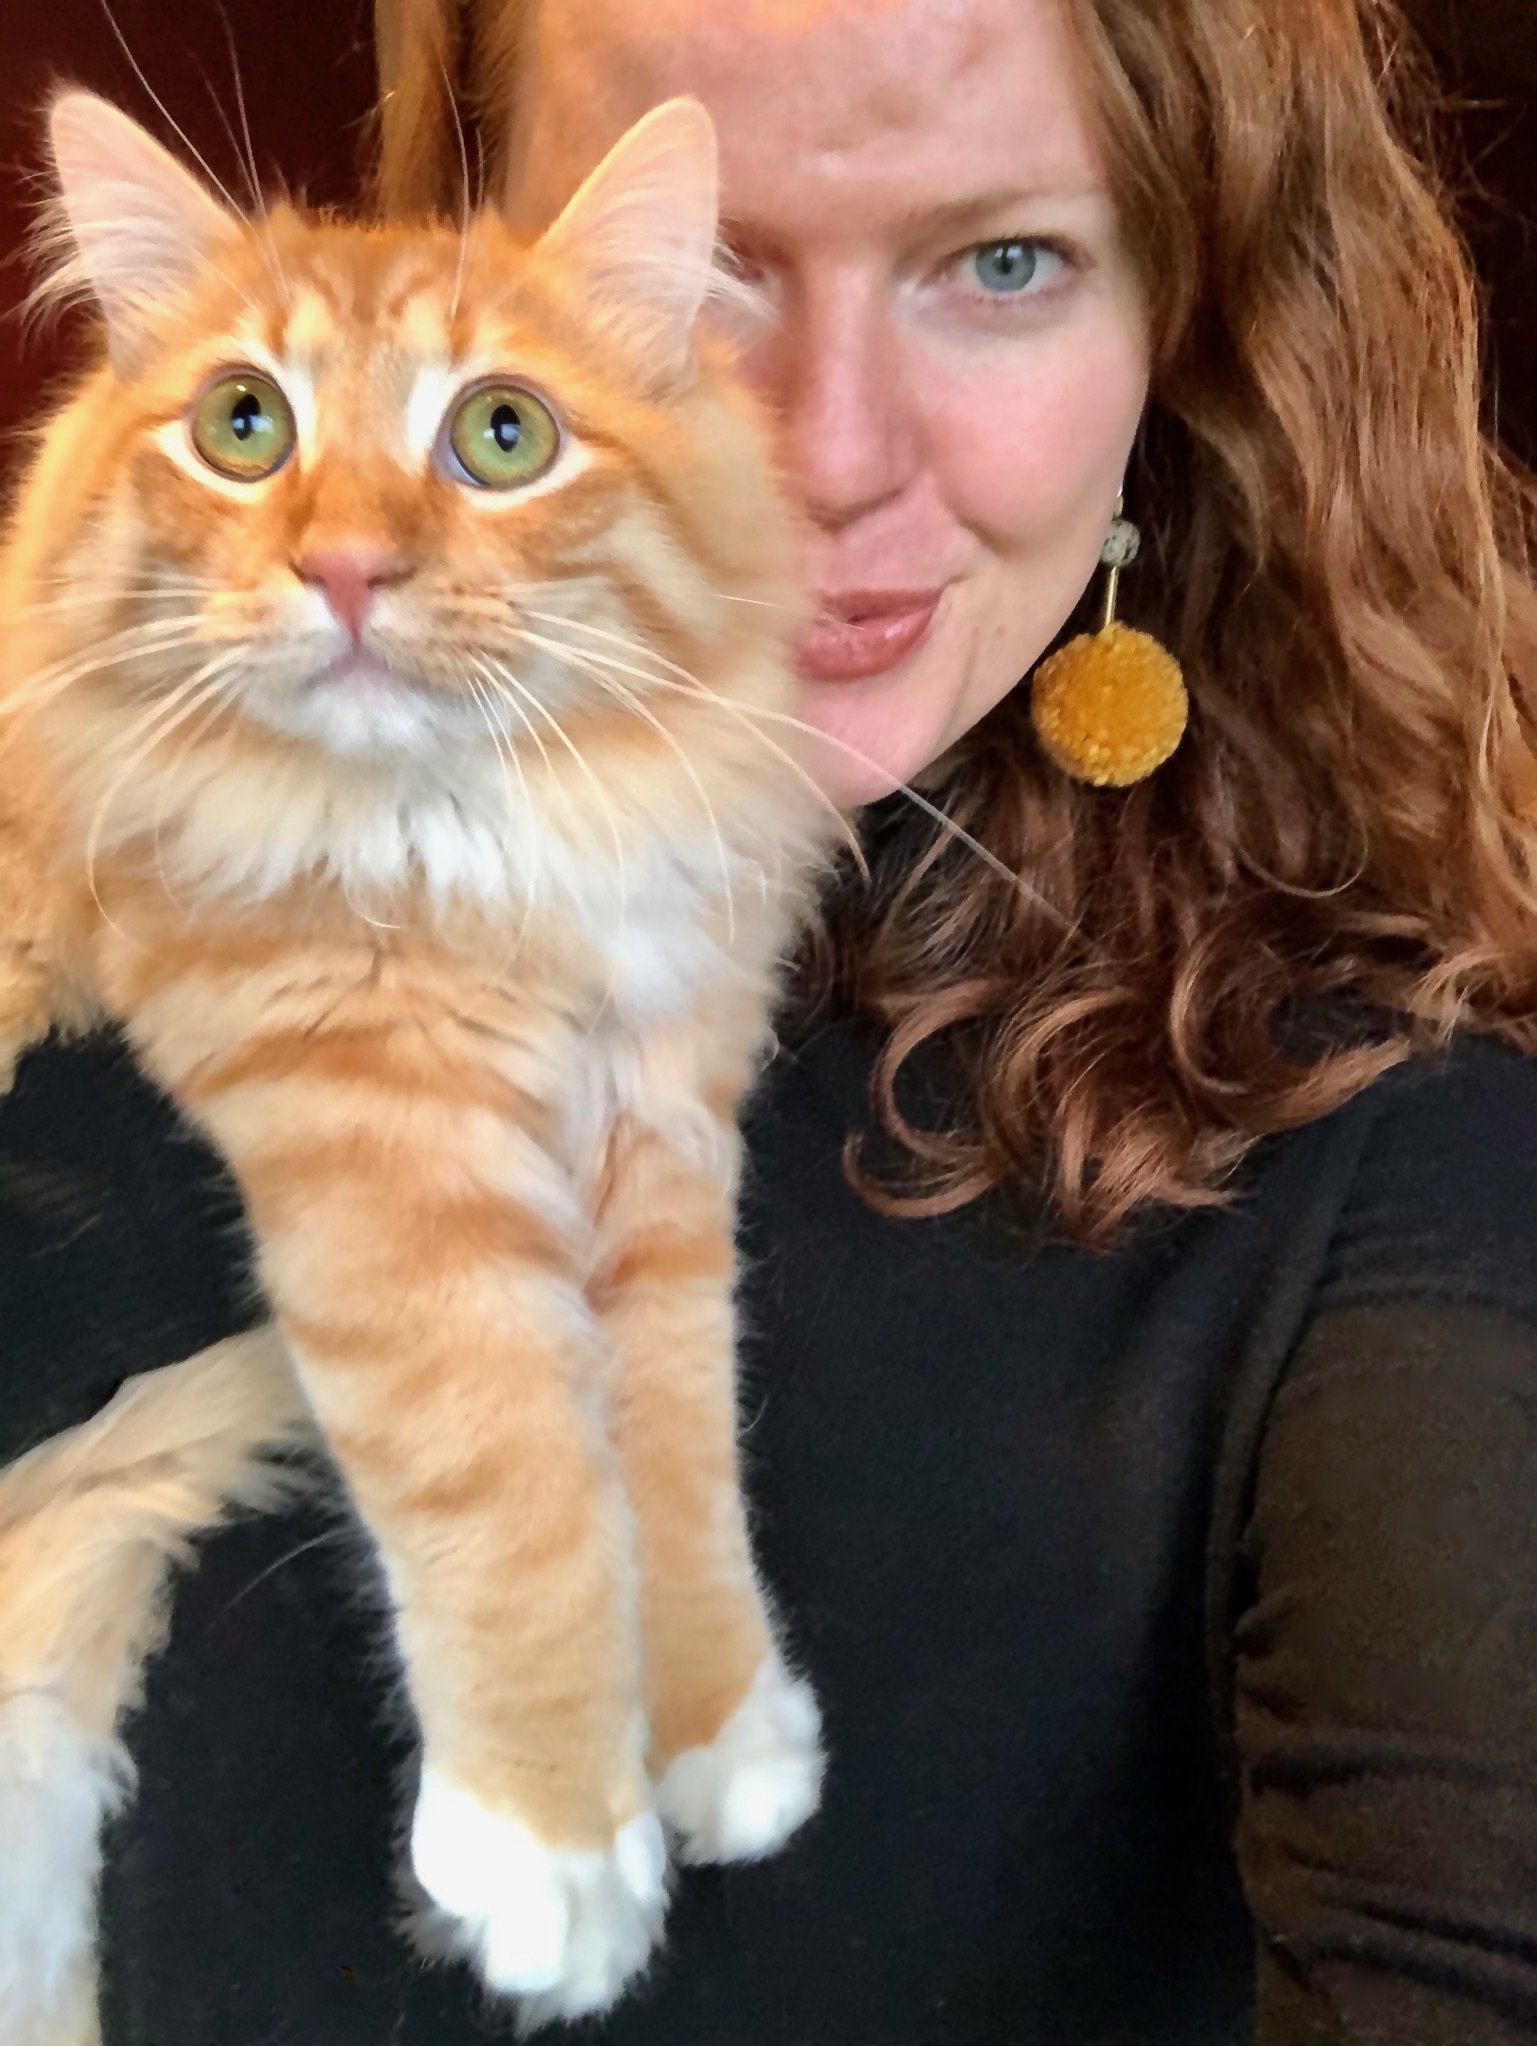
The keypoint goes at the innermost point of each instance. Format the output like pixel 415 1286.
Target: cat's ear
pixel 137 224
pixel 637 242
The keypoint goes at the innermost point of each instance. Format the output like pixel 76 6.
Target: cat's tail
pixel 91 1524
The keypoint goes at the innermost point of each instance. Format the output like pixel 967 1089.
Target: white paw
pixel 564 1929
pixel 745 1794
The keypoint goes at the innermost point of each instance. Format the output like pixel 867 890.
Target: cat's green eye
pixel 243 426
pixel 502 436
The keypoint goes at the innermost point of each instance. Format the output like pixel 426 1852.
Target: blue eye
pixel 1005 267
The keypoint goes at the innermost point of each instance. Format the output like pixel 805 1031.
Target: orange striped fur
pixel 465 972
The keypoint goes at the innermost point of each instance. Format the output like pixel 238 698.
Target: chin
pixel 899 732
pixel 380 723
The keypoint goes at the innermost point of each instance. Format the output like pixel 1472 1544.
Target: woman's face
pixel 959 355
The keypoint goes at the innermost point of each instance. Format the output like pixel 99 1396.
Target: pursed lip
pixel 859 633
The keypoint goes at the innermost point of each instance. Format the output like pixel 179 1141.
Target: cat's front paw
pixel 744 1794
pixel 563 1930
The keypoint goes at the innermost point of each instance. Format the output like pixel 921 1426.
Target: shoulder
pixel 1443 1199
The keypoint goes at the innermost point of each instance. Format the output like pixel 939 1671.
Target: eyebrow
pixel 956 215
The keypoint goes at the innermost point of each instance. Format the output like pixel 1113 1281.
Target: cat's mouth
pixel 363 675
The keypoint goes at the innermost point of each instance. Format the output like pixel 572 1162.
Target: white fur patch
pixel 564 1930
pixel 761 1777
pixel 435 384
pixel 57 1784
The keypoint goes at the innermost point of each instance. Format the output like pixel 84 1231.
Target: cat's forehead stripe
pixel 310 325
pixel 420 316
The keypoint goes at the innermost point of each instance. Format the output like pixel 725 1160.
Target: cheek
pixel 1028 441
pixel 230 542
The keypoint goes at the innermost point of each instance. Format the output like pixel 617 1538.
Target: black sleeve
pixel 122 1244
pixel 1386 1682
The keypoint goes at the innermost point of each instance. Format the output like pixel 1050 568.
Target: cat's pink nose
pixel 350 576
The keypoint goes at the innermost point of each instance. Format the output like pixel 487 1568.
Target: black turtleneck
pixel 1173 1609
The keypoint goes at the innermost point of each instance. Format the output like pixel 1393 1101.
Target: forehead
pixel 361 313
pixel 822 105
pixel 369 331
pixel 329 295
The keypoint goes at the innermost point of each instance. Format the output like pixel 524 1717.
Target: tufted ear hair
pixel 131 223
pixel 637 242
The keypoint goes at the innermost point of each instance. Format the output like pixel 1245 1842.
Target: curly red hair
pixel 1341 559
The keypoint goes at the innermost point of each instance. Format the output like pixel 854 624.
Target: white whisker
pixel 162 718
pixel 259 218
pixel 47 684
pixel 932 810
pixel 501 679
pixel 508 753
pixel 692 686
pixel 171 120
pixel 219 702
pixel 589 666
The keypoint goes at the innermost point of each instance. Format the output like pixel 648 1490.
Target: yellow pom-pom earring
pixel 1110 706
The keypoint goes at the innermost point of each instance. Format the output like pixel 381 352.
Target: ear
pixel 637 243
pixel 138 224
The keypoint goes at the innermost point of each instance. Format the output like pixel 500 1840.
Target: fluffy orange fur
pixel 464 957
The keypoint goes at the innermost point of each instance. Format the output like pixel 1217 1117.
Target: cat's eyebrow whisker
pixel 632 702
pixel 171 120
pixel 259 220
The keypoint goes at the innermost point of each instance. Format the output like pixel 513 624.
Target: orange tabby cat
pixel 390 623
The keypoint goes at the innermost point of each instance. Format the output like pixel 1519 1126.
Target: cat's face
pixel 396 491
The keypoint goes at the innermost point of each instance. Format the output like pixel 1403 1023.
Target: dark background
pixel 307 71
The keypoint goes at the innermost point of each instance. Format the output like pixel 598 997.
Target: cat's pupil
pixel 506 428
pixel 245 416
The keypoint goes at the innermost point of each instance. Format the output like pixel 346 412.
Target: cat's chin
pixel 365 674
pixel 359 707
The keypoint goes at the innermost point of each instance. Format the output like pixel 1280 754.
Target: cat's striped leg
pixel 734 1736
pixel 424 1255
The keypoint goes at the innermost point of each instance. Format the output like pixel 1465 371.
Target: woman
pixel 1147 1482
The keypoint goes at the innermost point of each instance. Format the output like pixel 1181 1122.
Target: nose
pixel 835 374
pixel 349 576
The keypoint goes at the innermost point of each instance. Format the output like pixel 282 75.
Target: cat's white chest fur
pixel 660 942
pixel 665 904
